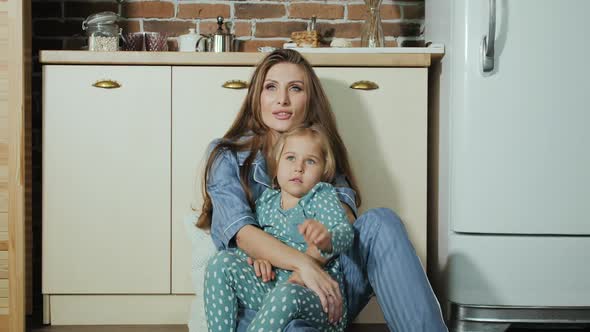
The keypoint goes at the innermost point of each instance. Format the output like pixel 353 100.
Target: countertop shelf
pixel 405 57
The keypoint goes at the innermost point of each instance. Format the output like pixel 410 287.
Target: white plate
pixel 432 49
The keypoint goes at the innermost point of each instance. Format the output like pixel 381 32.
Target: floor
pixel 166 328
pixel 183 328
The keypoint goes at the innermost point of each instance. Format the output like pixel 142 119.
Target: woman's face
pixel 283 97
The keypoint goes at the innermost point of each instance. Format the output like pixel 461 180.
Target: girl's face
pixel 283 97
pixel 301 165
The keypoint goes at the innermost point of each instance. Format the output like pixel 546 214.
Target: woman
pixel 284 93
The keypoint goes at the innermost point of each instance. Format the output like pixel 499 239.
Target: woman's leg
pixel 289 301
pixel 382 260
pixel 228 279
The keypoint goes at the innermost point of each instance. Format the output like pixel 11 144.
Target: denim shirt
pixel 231 210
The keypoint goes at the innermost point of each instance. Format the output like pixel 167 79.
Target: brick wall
pixel 57 24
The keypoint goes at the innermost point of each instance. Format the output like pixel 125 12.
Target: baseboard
pixel 119 309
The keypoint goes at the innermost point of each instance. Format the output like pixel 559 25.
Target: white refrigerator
pixel 510 161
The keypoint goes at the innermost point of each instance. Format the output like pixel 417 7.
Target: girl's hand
pixel 262 268
pixel 316 234
pixel 321 283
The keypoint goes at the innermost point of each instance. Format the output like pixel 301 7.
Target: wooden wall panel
pixel 3 166
pixel 15 195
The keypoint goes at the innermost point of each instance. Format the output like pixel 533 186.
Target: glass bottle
pixel 372 32
pixel 102 31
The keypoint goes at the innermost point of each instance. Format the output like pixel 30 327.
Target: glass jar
pixel 102 32
pixel 372 33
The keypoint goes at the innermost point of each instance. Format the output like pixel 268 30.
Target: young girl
pixel 304 213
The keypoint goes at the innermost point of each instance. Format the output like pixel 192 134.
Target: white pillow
pixel 202 250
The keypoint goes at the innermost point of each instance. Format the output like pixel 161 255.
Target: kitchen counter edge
pixel 401 59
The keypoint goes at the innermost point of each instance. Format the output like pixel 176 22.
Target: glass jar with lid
pixel 102 31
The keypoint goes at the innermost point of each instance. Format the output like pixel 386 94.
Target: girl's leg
pixel 228 279
pixel 287 302
pixel 245 317
pixel 382 260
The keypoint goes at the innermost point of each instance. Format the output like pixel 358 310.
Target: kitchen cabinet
pixel 106 180
pixel 201 111
pixel 123 167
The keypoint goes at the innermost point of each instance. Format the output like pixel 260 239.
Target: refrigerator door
pixel 520 142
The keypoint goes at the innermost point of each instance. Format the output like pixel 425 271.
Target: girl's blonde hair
pixel 318 133
pixel 249 133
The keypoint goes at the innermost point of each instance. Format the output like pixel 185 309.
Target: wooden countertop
pixel 404 57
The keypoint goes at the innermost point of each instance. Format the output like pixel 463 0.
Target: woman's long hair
pixel 249 133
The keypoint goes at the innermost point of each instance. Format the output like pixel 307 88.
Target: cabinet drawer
pixel 106 180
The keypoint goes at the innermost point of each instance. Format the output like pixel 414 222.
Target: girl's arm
pixel 258 244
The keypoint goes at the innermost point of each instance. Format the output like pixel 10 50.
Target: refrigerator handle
pixel 487 44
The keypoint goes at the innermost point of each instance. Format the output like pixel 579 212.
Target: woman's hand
pixel 321 283
pixel 262 268
pixel 296 279
pixel 316 234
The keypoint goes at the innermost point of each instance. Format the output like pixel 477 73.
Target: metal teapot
pixel 220 41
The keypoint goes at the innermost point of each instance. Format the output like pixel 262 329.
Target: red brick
pixel 387 12
pixel 252 45
pixel 250 10
pixel 243 29
pixel 323 11
pixel 340 30
pixel 172 28
pixel 85 9
pixel 203 10
pixel 414 11
pixel 148 9
pixel 279 29
pixel 208 27
pixel 130 26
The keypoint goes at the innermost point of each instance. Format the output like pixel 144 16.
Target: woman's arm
pixel 261 245
pixel 258 244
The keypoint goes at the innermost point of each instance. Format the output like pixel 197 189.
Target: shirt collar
pixel 259 164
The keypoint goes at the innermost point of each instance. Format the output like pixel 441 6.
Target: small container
pixel 188 42
pixel 156 41
pixel 132 41
pixel 102 31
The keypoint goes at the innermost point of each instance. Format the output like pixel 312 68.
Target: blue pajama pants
pixel 381 262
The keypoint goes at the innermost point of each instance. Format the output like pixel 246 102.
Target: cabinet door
pixel 202 111
pixel 106 180
pixel 385 132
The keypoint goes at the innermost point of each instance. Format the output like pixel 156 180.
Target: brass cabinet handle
pixel 364 85
pixel 107 84
pixel 235 84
